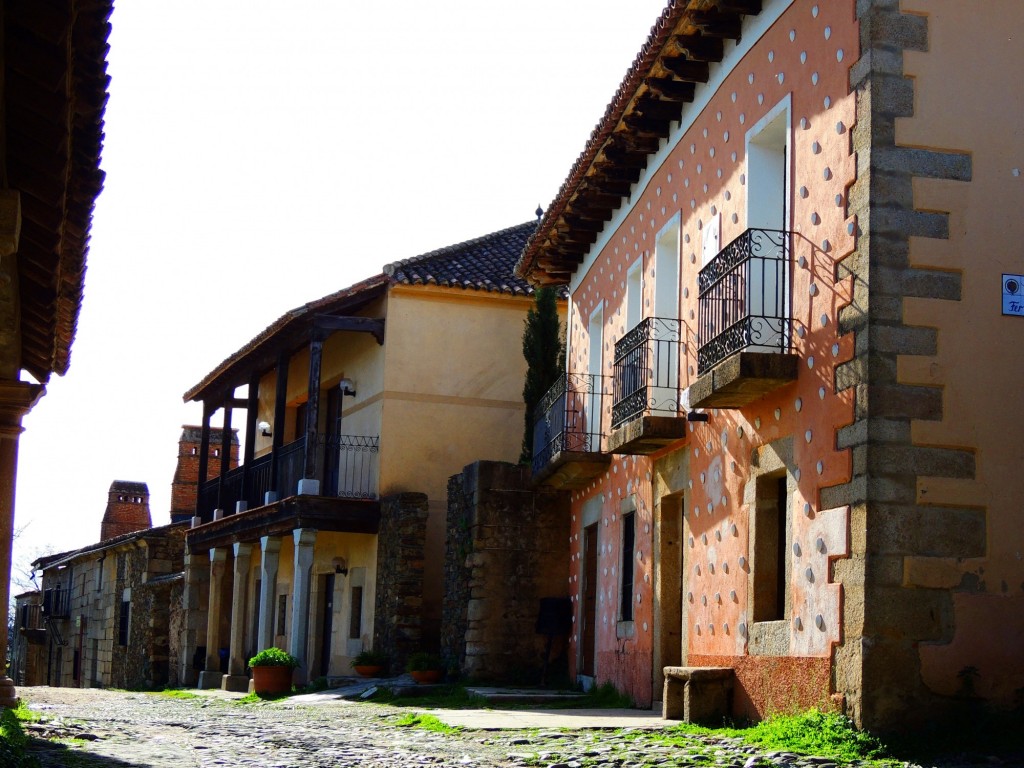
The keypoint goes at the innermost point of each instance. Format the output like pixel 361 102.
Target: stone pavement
pixel 94 728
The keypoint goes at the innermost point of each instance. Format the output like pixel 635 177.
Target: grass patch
pixel 824 734
pixel 13 741
pixel 425 722
pixel 815 733
pixel 176 693
pixel 605 696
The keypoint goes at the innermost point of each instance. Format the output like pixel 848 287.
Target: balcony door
pixel 767 290
pixel 592 404
pixel 664 333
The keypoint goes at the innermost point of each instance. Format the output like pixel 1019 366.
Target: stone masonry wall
pixel 877 667
pixel 507 549
pixel 398 622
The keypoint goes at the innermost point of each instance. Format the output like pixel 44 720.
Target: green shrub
pixel 422 661
pixel 273 657
pixel 370 658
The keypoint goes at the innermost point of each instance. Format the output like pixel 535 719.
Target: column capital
pixel 218 554
pixel 242 549
pixel 270 543
pixel 304 536
pixel 16 399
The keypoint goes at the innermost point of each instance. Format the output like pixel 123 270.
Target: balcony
pixel 645 399
pixel 567 432
pixel 349 471
pixel 744 324
pixel 56 603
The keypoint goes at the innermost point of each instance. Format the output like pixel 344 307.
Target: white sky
pixel 260 155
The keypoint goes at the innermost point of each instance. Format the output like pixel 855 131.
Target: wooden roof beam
pixel 742 7
pixel 669 88
pixel 610 170
pixel 658 110
pixel 714 23
pixel 700 48
pixel 689 70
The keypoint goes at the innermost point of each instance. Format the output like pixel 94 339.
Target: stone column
pixel 304 540
pixel 211 676
pixel 197 569
pixel 236 679
pixel 269 559
pixel 16 399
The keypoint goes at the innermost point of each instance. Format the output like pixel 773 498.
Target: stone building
pixel 110 614
pixel 52 97
pixel 783 427
pixel 108 606
pixel 328 538
pixel 28 639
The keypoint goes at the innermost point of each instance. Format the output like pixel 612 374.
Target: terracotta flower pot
pixel 426 675
pixel 368 670
pixel 272 680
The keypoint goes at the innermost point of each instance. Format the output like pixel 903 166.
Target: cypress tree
pixel 544 353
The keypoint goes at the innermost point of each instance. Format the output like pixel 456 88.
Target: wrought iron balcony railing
pixel 646 370
pixel 744 298
pixel 350 465
pixel 568 418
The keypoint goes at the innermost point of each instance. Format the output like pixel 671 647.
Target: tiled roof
pixel 482 264
pixel 59 558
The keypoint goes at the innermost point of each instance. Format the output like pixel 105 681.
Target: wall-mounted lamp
pixel 347 387
pixel 341 566
pixel 264 428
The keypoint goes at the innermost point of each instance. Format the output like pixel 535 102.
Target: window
pixel 769 568
pixel 355 626
pixel 282 613
pixel 125 621
pixel 627 566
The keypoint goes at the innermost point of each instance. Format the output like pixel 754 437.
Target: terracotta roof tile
pixel 481 264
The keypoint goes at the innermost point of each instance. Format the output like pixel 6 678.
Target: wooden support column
pixel 204 460
pixel 316 347
pixel 251 412
pixel 280 404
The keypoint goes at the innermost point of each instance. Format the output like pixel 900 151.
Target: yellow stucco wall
pixel 964 103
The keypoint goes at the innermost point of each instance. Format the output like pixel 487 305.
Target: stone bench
pixel 697 694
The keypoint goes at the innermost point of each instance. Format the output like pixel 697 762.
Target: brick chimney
pixel 127 509
pixel 184 487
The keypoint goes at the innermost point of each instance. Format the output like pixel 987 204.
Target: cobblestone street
pixel 96 728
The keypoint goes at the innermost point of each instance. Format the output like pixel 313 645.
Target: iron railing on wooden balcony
pixel 568 418
pixel 744 298
pixel 350 465
pixel 646 370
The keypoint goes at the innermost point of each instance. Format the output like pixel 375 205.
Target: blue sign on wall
pixel 1013 295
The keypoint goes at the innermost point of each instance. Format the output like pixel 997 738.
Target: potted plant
pixel 272 671
pixel 425 667
pixel 370 663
